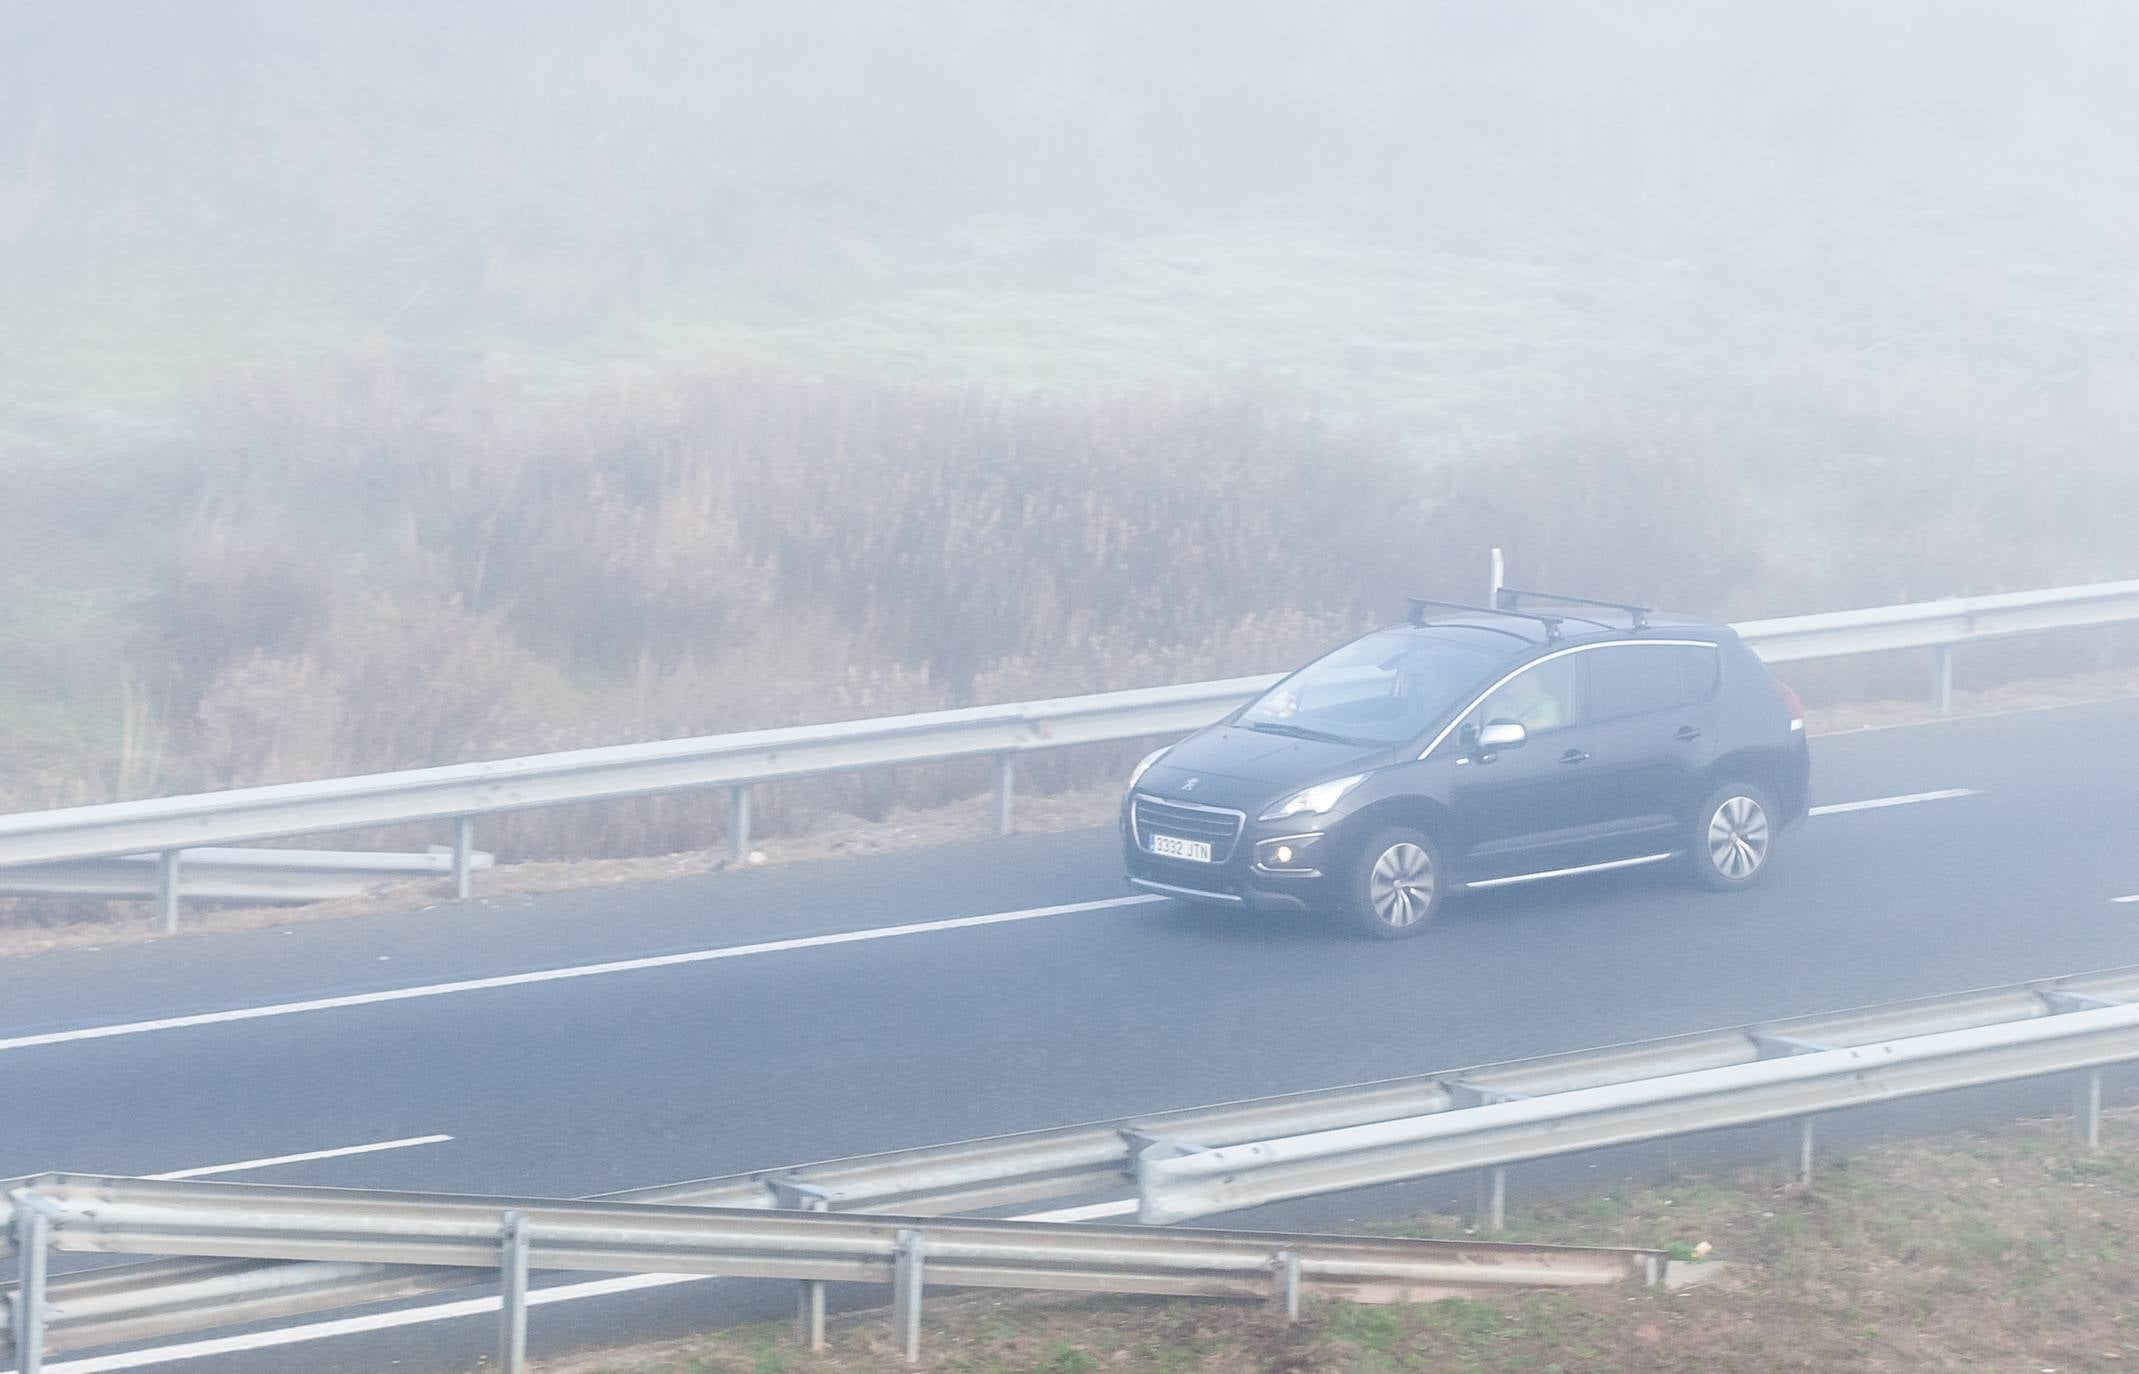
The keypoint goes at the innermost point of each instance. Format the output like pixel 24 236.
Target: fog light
pixel 1283 854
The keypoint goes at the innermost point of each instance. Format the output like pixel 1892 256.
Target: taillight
pixel 1791 703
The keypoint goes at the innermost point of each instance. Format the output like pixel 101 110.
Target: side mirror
pixel 1502 734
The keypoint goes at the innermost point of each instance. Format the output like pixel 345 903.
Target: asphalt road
pixel 735 1035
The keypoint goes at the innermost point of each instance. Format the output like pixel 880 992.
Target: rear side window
pixel 1634 680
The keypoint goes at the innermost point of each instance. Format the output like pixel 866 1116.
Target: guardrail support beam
pixel 809 1309
pixel 512 1311
pixel 1287 1265
pixel 739 823
pixel 2087 1109
pixel 906 1282
pixel 463 857
pixel 1005 785
pixel 26 1318
pixel 1942 679
pixel 1493 1198
pixel 1804 1151
pixel 809 1317
pixel 167 890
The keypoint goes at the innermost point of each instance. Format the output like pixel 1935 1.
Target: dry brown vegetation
pixel 373 566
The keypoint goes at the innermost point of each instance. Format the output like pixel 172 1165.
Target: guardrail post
pixel 2087 1109
pixel 739 822
pixel 1005 782
pixel 1804 1151
pixel 1500 579
pixel 1493 1198
pixel 1942 679
pixel 512 1311
pixel 906 1282
pixel 167 890
pixel 809 1317
pixel 1288 1283
pixel 26 1319
pixel 463 857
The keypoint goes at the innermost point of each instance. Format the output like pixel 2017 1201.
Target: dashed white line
pixel 343 1151
pixel 558 975
pixel 1879 803
pixel 447 1311
pixel 2133 898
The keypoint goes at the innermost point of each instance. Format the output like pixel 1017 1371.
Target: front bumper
pixel 1269 867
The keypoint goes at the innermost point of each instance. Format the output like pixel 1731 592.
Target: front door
pixel 1528 809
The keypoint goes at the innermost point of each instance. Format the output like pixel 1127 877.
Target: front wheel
pixel 1733 837
pixel 1397 885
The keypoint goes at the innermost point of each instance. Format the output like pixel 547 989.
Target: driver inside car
pixel 1529 701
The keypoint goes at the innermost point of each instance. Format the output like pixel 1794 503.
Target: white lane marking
pixel 557 975
pixel 2133 898
pixel 416 1316
pixel 1836 808
pixel 447 1311
pixel 242 1165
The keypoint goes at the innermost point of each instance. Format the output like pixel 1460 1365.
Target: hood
pixel 1233 766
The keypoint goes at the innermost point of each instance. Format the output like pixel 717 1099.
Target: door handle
pixel 1574 756
pixel 1687 734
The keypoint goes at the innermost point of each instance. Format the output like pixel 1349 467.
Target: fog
pixel 1643 191
pixel 564 373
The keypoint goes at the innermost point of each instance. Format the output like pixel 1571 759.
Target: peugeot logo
pixel 1190 785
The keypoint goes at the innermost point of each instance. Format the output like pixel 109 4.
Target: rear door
pixel 1651 737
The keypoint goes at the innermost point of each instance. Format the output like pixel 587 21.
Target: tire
pixel 1732 844
pixel 1397 884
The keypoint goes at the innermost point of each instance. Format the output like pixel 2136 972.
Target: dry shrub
pixel 1620 506
pixel 386 567
pixel 389 568
pixel 379 685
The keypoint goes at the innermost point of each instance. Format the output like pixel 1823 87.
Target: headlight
pixel 1314 800
pixel 1137 773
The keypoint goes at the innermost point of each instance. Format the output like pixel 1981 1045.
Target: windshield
pixel 1383 689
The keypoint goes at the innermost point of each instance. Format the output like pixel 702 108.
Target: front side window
pixel 1544 697
pixel 1383 689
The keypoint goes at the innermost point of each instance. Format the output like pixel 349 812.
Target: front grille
pixel 1215 824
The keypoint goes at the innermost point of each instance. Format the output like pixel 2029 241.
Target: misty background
pixel 387 384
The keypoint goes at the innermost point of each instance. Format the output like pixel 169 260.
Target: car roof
pixel 1518 634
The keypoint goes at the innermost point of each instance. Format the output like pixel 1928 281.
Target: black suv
pixel 1477 747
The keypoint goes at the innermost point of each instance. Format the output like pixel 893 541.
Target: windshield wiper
pixel 1301 732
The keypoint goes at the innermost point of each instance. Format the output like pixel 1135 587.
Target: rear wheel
pixel 1733 837
pixel 1397 884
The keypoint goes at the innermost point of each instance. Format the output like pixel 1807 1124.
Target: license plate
pixel 1167 847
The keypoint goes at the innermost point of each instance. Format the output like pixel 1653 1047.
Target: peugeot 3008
pixel 1477 747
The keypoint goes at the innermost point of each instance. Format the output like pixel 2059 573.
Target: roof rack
pixel 1420 604
pixel 1511 597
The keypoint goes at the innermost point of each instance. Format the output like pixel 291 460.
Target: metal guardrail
pixel 462 792
pixel 510 1237
pixel 1182 1184
pixel 1105 1159
pixel 269 877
